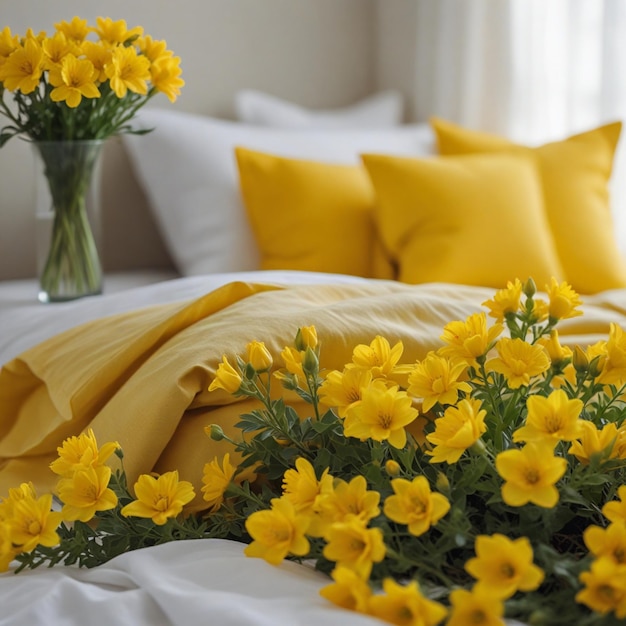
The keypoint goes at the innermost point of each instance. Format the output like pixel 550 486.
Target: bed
pixel 135 363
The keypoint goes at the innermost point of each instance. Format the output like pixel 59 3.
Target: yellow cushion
pixel 575 173
pixel 473 219
pixel 311 216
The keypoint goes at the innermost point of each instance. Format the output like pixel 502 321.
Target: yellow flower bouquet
pixel 67 92
pixel 485 482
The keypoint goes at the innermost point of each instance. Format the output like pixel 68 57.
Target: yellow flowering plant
pixel 67 92
pixel 82 81
pixel 484 482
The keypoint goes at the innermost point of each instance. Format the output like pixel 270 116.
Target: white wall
pixel 319 53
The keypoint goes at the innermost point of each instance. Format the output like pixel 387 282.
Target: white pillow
pixel 188 170
pixel 381 110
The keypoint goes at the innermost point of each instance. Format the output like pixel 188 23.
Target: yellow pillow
pixel 474 219
pixel 575 173
pixel 311 216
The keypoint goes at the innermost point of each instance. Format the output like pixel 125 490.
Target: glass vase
pixel 68 219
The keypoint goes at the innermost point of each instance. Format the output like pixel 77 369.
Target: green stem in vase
pixel 72 267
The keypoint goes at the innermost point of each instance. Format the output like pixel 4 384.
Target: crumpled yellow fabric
pixel 141 378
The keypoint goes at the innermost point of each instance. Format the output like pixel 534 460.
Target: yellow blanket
pixel 141 378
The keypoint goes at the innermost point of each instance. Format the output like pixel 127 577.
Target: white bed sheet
pixel 204 581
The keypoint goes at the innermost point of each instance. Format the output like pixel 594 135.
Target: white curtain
pixel 532 70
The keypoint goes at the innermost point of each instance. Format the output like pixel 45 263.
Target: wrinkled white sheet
pixel 204 581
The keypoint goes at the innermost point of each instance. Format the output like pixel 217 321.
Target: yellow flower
pixel 456 430
pixel 99 56
pixel 347 499
pixel 530 474
pixel 25 490
pixel 128 71
pixel 477 607
pixel 436 379
pixel 470 339
pixel 341 390
pixel 349 591
pixel 415 505
pixel 405 605
pixel 216 480
pixel 614 371
pixel 159 498
pixel 23 68
pixel 607 542
pixel 7 550
pixel 381 415
pixel 620 443
pixel 114 33
pixel 554 418
pixel 165 76
pixel 353 545
pixel 33 523
pixel 73 81
pixel 277 532
pixel 615 511
pixel 505 301
pixel 258 356
pixel 379 356
pixel 56 48
pixel 8 44
pixel 563 300
pixel 76 30
pixel 558 354
pixel 293 362
pixel 153 49
pixel 605 588
pixel 518 361
pixel 226 378
pixel 503 566
pixel 77 453
pixel 86 492
pixel 302 488
pixel 594 442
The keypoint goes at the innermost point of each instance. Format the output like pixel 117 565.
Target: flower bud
pixel 306 337
pixel 596 366
pixel 215 432
pixel 259 356
pixel 392 467
pixel 580 360
pixel 310 363
pixel 530 289
pixel 287 380
pixel 442 483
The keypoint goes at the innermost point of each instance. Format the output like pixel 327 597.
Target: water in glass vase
pixel 68 212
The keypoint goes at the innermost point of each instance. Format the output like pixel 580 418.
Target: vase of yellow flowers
pixel 71 91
